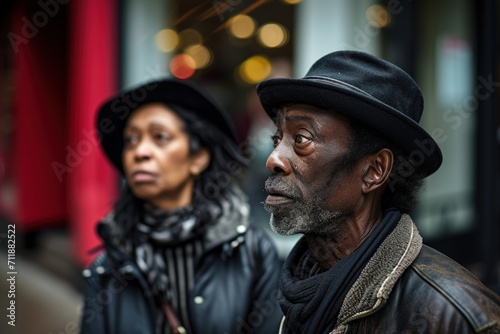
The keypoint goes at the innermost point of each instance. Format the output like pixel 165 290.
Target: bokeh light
pixel 201 55
pixel 292 2
pixel 272 35
pixel 378 16
pixel 255 69
pixel 166 40
pixel 189 37
pixel 241 26
pixel 182 66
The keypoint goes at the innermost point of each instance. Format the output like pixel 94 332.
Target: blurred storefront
pixel 58 65
pixel 87 50
pixel 451 49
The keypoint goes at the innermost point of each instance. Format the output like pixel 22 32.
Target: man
pixel 349 158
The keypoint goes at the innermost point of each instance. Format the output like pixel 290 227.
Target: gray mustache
pixel 276 184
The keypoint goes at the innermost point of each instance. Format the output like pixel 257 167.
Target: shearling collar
pixel 374 285
pixel 232 219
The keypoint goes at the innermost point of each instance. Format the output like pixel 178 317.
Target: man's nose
pixel 277 163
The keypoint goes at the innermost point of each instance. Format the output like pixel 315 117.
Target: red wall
pixel 64 68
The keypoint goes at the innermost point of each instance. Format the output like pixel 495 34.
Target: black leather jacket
pixel 435 295
pixel 235 291
pixel 408 287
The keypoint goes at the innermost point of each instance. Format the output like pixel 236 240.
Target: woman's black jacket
pixel 235 291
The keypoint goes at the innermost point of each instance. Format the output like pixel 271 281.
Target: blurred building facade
pixel 61 59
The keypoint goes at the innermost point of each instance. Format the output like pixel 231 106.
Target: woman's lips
pixel 143 176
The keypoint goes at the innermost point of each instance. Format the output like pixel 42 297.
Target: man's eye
pixel 301 140
pixel 276 140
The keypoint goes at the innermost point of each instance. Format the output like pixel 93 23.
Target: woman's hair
pixel 226 165
pixel 403 184
pixel 226 161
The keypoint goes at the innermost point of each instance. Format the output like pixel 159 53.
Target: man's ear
pixel 200 161
pixel 377 169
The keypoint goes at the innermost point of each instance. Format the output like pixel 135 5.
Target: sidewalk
pixel 47 301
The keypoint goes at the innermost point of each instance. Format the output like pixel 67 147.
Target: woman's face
pixel 157 163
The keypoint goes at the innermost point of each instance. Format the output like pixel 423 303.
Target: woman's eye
pixel 130 139
pixel 161 136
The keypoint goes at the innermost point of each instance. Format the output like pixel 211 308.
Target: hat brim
pixel 114 113
pixel 423 152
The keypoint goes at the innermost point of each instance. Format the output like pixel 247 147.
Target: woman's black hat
pixel 113 114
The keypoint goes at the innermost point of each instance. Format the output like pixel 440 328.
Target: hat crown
pixel 365 73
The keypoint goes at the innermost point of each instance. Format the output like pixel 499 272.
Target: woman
pixel 179 256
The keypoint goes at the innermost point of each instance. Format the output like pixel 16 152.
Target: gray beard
pixel 310 216
pixel 307 219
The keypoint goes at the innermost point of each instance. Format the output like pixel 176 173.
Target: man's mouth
pixel 274 200
pixel 277 196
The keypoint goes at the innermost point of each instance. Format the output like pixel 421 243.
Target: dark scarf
pixel 312 304
pixel 157 230
pixel 170 228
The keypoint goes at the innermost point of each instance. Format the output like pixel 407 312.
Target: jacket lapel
pixel 374 285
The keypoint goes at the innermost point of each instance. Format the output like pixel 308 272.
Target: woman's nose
pixel 142 150
pixel 277 163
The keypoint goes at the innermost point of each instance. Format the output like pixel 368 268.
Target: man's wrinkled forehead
pixel 303 112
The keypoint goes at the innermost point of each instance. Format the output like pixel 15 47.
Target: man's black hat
pixel 368 89
pixel 113 114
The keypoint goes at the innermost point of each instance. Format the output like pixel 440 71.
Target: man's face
pixel 313 188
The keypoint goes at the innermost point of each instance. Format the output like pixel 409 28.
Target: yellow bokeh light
pixel 272 35
pixel 166 40
pixel 378 16
pixel 292 2
pixel 255 69
pixel 189 37
pixel 200 54
pixel 241 26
